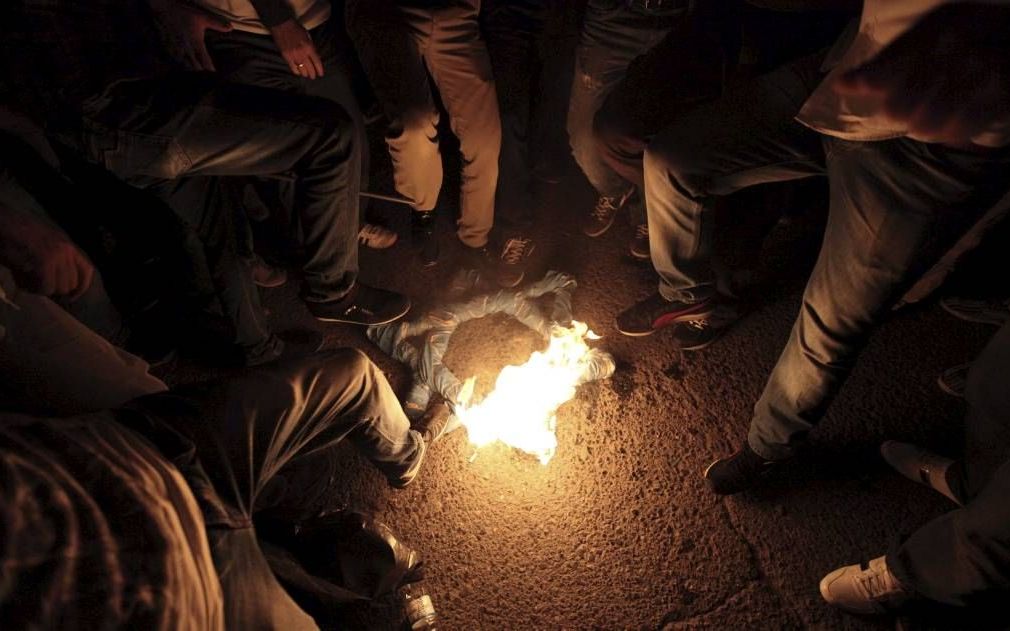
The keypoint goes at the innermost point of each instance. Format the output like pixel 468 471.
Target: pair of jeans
pixel 254 59
pixel 399 44
pixel 894 207
pixel 183 125
pixel 612 36
pixel 963 557
pixel 234 439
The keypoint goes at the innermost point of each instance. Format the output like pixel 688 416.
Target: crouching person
pixel 142 516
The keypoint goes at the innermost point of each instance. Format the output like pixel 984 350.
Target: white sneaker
pixel 920 465
pixel 868 588
pixel 376 237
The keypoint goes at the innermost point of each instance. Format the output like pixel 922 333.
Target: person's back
pixel 100 531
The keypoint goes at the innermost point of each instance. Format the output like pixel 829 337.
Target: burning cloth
pixel 521 409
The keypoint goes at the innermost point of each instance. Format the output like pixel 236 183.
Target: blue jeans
pixel 612 36
pixel 894 207
pixel 152 132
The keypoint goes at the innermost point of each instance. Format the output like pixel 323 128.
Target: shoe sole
pixel 373 246
pixel 639 256
pixel 704 345
pixel 599 232
pixel 376 323
pixel 669 321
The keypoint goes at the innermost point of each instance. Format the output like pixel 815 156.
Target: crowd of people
pixel 143 141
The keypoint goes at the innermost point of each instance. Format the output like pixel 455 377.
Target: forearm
pixel 273 12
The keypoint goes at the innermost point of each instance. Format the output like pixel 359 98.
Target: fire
pixel 521 410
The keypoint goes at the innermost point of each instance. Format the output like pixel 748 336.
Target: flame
pixel 521 410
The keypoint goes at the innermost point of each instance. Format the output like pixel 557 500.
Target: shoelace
pixel 642 231
pixel 604 207
pixel 701 325
pixel 877 583
pixel 515 250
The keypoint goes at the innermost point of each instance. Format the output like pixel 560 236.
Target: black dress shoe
pixel 422 234
pixel 362 305
pixel 738 472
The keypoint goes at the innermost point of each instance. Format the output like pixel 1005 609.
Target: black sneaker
pixel 362 305
pixel 738 472
pixel 603 213
pixel 694 335
pixel 423 236
pixel 655 312
pixel 512 265
pixel 640 242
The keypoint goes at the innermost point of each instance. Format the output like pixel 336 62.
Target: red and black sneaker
pixel 655 312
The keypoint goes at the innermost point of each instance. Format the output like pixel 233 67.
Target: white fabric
pixel 243 16
pixel 858 117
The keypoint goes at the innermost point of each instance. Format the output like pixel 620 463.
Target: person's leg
pixel 233 436
pixel 895 205
pixel 50 363
pixel 190 124
pixel 964 556
pixel 511 30
pixel 461 68
pixel 388 41
pixel 685 69
pixel 206 205
pixel 612 36
pixel 748 137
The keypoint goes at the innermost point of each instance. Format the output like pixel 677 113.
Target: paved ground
pixel 618 530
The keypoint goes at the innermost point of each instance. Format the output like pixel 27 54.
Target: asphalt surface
pixel 619 530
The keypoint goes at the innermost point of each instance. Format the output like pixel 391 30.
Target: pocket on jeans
pixel 129 154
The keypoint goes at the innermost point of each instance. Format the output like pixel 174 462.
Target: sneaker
pixel 376 237
pixel 422 233
pixel 284 345
pixel 437 421
pixel 512 265
pixel 738 472
pixel 655 312
pixel 921 466
pixel 993 312
pixel 603 213
pixel 640 242
pixel 362 305
pixel 954 380
pixel 694 335
pixel 867 588
pixel 266 275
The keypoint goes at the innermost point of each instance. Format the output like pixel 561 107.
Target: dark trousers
pixel 192 124
pixel 685 69
pixel 895 206
pixel 233 439
pixel 512 31
pixel 963 557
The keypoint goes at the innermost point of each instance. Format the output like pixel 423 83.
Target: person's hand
pixel 42 259
pixel 297 48
pixel 182 28
pixel 947 77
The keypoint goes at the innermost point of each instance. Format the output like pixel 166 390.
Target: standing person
pixel 513 31
pixel 297 47
pixel 961 558
pixel 614 32
pixel 914 153
pixel 95 73
pixel 401 42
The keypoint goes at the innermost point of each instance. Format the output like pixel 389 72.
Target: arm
pixel 41 258
pixel 182 28
pixel 947 77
